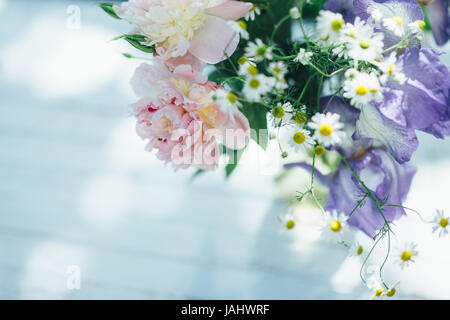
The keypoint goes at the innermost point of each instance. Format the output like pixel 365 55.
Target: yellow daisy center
pixel 254 83
pixel 398 20
pixel 379 291
pixel 276 70
pixel 242 60
pixel 364 44
pixel 360 250
pixel 232 97
pixel 421 24
pixel 326 130
pixel 319 150
pixel 391 292
pixel 406 255
pixel 300 118
pixel 335 226
pixel 391 69
pixel 337 24
pixel 278 112
pixel 374 90
pixel 252 70
pixel 299 137
pixel 242 24
pixel 443 222
pixel 261 51
pixel 361 90
pixel 290 224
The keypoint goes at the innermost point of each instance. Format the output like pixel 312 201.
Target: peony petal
pixel 230 10
pixel 215 41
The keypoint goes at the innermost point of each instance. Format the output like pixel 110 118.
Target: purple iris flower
pixel 439 18
pixel 388 180
pixel 344 7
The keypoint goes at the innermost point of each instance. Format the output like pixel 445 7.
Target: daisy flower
pixel 280 84
pixel 295 13
pixel 356 249
pixel 241 28
pixel 334 226
pixel 258 50
pixel 364 44
pixel 329 25
pixel 254 11
pixel 406 254
pixel 281 113
pixel 441 223
pixel 417 27
pixel 300 139
pixel 287 219
pixel 376 14
pixel 257 86
pixel 362 89
pixel 396 25
pixel 227 100
pixel 391 71
pixel 278 69
pixel 375 287
pixel 327 128
pixel 299 117
pixel 247 67
pixel 303 57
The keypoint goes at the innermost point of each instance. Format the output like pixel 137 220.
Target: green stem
pixel 371 196
pixel 277 26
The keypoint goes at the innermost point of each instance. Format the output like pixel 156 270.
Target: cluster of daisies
pixel 335 229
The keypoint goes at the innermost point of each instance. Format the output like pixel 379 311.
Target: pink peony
pixel 182 27
pixel 179 120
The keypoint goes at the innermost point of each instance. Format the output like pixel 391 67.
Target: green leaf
pixel 108 8
pixel 256 115
pixel 196 174
pixel 135 40
pixel 235 156
pixel 140 46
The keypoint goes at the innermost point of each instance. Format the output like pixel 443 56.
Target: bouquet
pixel 341 84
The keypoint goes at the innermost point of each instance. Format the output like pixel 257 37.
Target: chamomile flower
pixel 376 14
pixel 362 89
pixel 252 13
pixel 299 116
pixel 329 25
pixel 356 249
pixel 227 100
pixel 258 50
pixel 257 86
pixel 391 71
pixel 334 226
pixel 247 67
pixel 327 128
pixel 287 219
pixel 294 13
pixel 281 113
pixel 396 24
pixel 300 139
pixel 240 27
pixel 303 57
pixel 364 44
pixel 352 30
pixel 417 27
pixel 376 288
pixel 441 223
pixel 406 254
pixel 280 84
pixel 278 69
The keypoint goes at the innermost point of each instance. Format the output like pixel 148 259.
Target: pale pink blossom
pixel 181 27
pixel 178 119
